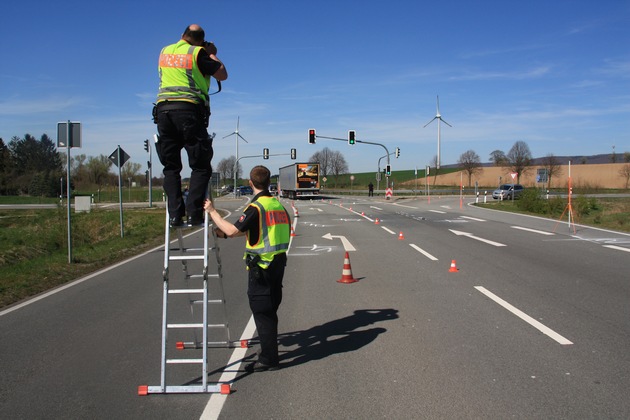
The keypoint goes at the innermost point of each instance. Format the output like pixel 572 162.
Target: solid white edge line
pixel 423 252
pixel 539 326
pixel 618 248
pixel 216 401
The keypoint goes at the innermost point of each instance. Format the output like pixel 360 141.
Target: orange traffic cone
pixel 377 222
pixel 401 236
pixel 292 231
pixel 346 274
pixel 362 214
pixel 296 212
pixel 453 268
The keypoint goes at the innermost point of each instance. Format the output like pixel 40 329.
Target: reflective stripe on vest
pixel 274 234
pixel 180 78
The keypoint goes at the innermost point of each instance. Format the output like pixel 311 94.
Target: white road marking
pixel 472 218
pixel 619 248
pixel 346 243
pixel 388 230
pixel 423 252
pixel 533 230
pixel 438 211
pixel 531 321
pixel 470 235
pixel 215 404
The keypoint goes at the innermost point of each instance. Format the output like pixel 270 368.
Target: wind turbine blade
pixel 442 119
pixel 434 118
pixel 438 104
pixel 242 138
pixel 230 135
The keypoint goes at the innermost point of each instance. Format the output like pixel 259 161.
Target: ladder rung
pixel 185 291
pixel 184 360
pixel 184 325
pixel 198 302
pixel 185 257
pixel 200 325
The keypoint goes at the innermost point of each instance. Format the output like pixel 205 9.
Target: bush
pixel 532 201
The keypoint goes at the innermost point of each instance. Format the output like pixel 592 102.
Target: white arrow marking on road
pixel 346 243
pixel 470 235
pixel 532 230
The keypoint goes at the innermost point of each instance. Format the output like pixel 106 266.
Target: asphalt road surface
pixel 458 312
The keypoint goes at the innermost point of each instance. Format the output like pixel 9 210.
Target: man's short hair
pixel 195 36
pixel 260 177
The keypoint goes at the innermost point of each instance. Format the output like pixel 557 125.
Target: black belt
pixel 179 105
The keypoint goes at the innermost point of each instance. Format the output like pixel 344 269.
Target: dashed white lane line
pixel 423 252
pixel 531 321
pixel 541 232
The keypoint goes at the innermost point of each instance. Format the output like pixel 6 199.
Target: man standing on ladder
pixel 267 225
pixel 182 116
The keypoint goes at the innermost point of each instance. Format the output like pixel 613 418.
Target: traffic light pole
pixel 365 142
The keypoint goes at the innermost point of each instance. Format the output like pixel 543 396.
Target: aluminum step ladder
pixel 194 290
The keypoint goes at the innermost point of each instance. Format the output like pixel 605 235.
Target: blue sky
pixel 555 74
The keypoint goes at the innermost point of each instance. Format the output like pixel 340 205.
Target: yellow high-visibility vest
pixel 274 230
pixel 180 78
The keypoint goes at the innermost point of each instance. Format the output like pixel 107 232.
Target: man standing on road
pixel 182 115
pixel 267 226
pixel 370 190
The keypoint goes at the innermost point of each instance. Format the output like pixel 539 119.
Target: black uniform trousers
pixel 265 295
pixel 182 125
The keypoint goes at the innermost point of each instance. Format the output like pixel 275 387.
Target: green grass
pixel 605 213
pixel 34 248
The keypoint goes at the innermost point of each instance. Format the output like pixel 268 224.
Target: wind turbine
pixel 236 133
pixel 440 119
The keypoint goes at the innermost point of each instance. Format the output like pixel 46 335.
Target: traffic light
pixel 397 152
pixel 388 170
pixel 265 153
pixel 146 145
pixel 293 154
pixel 351 135
pixel 311 136
pixel 149 164
pixel 146 175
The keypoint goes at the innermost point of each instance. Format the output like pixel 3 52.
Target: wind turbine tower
pixel 440 119
pixel 238 136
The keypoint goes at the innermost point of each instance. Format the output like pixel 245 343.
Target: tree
pixel 34 164
pixel 324 157
pixel 97 169
pixel 338 165
pixel 225 168
pixel 498 158
pixel 625 173
pixel 519 159
pixel 626 156
pixel 129 170
pixel 553 167
pixel 470 162
pixel 331 162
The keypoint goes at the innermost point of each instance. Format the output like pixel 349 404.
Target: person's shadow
pixel 334 337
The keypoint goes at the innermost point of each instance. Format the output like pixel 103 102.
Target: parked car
pixel 244 190
pixel 506 191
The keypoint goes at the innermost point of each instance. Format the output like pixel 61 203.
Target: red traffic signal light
pixel 311 136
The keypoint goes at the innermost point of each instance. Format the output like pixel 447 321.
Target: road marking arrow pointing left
pixel 346 243
pixel 470 235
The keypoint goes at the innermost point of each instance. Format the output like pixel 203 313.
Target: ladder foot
pixel 143 390
pixel 225 389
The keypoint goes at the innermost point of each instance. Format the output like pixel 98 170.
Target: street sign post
pixel 68 136
pixel 119 157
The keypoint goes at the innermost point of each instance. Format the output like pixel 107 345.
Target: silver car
pixel 507 191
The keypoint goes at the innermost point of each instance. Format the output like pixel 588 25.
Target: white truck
pixel 299 180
